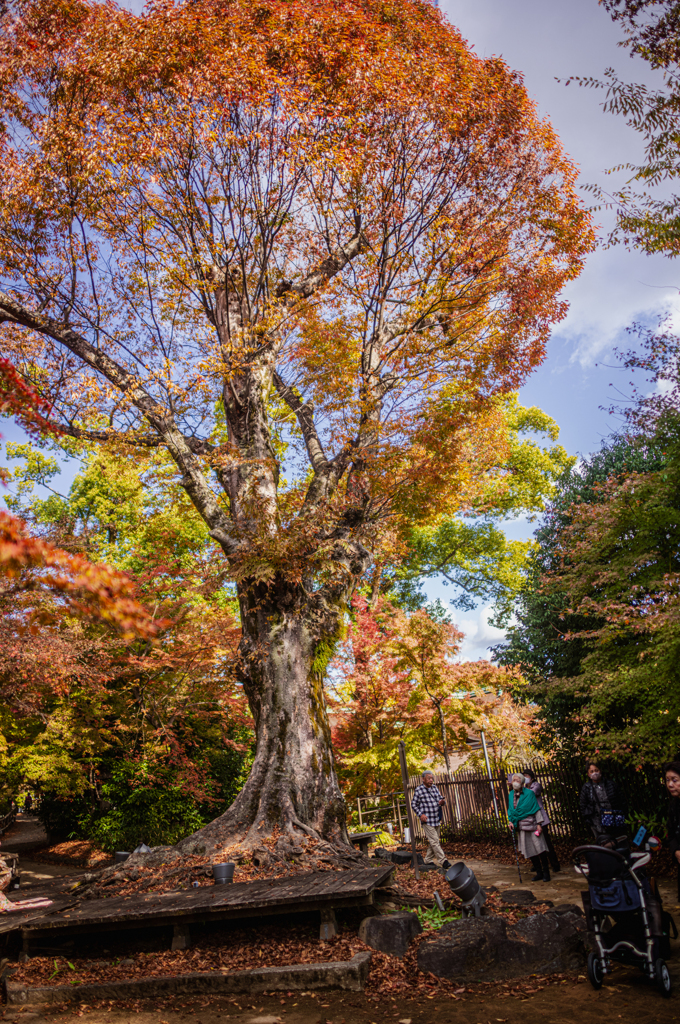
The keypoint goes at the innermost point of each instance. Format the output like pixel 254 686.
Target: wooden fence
pixel 476 806
pixel 6 821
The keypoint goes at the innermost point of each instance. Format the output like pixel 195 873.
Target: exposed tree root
pixel 255 851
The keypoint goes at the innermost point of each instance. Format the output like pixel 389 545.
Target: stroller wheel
pixel 662 978
pixel 596 970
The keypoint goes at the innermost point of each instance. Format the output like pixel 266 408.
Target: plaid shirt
pixel 426 801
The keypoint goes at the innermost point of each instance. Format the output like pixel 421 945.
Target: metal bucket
pixel 223 873
pixel 122 855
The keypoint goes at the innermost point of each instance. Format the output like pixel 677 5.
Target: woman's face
pixel 594 773
pixel 673 783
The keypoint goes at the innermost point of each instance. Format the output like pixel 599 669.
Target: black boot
pixel 536 865
pixel 545 867
pixel 552 854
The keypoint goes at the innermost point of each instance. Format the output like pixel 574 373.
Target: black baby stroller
pixel 624 916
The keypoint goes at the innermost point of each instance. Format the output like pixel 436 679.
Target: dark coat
pixel 590 808
pixel 674 824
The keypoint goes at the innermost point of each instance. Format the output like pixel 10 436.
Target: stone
pixel 181 937
pixel 390 934
pixel 490 949
pixel 568 908
pixel 518 897
pixel 557 942
pixel 469 950
pixel 402 857
pixel 350 975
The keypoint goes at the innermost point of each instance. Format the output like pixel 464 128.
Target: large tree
pixel 307 247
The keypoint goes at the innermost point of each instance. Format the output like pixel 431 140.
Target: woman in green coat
pixel 525 818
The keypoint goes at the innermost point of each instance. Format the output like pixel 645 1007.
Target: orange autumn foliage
pixel 30 563
pixel 401 266
pixel 396 678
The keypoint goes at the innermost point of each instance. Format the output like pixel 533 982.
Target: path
pixel 28 834
pixel 563 887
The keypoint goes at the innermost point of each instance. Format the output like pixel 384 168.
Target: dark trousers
pixel 552 854
pixel 541 865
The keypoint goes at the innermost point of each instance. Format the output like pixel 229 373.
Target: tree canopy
pixel 307 249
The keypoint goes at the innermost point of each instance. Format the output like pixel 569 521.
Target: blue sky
pixel 546 41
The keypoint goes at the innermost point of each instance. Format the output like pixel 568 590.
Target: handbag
pixel 528 824
pixel 612 819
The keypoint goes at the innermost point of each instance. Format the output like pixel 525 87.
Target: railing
pixel 7 821
pixel 469 809
pixel 386 808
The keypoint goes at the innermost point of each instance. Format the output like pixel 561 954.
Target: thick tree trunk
pixel 292 792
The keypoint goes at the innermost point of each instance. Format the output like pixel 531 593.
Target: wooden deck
pixel 324 891
pixel 56 890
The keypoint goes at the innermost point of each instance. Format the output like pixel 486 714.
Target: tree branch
pixel 305 417
pixel 195 444
pixel 193 478
pixel 327 269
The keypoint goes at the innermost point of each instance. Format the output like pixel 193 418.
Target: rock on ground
pixel 489 949
pixel 390 934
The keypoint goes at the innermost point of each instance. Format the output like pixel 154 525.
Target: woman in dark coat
pixel 601 796
pixel 672 773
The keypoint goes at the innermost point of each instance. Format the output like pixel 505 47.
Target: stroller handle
pixel 620 865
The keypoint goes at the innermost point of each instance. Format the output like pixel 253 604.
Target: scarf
pixel 526 805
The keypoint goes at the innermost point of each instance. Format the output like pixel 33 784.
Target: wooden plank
pixel 262 896
pixel 19 918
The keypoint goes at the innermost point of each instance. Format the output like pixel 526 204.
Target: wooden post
pixel 458 814
pixel 409 815
pixel 328 928
pixel 401 823
pixel 181 937
pixel 361 824
pixel 488 772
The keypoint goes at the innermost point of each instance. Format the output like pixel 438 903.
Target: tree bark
pixel 292 790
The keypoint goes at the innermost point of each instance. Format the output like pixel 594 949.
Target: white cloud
pixel 479 635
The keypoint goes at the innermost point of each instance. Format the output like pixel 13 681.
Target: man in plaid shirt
pixel 426 803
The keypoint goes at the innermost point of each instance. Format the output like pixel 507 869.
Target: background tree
pixel 472 553
pixel 124 741
pixel 596 632
pixel 317 239
pixel 396 678
pixel 29 563
pixel 646 218
pixel 549 639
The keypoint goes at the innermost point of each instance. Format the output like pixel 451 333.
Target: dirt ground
pixel 625 998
